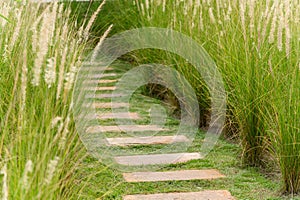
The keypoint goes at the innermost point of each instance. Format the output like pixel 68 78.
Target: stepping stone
pixel 118 116
pixel 180 175
pixel 102 75
pixel 203 195
pixel 100 81
pixel 110 105
pixel 128 141
pixel 108 95
pixel 113 116
pixel 156 159
pixel 97 68
pixel 92 63
pixel 121 128
pixel 101 88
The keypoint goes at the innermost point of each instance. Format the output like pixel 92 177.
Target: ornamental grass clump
pixel 255 45
pixel 41 50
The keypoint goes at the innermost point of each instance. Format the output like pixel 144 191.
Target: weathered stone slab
pixel 118 116
pixel 156 159
pixel 100 81
pixel 110 105
pixel 128 141
pixel 97 69
pixel 97 129
pixel 108 95
pixel 101 88
pixel 173 175
pixel 102 75
pixel 203 195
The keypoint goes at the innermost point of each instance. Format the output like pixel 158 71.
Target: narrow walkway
pixel 103 104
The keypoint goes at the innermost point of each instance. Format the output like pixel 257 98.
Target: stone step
pixel 203 195
pixel 100 88
pixel 180 175
pixel 102 75
pixel 92 63
pixel 128 141
pixel 105 95
pixel 156 159
pixel 110 105
pixel 126 128
pixel 96 69
pixel 100 81
pixel 124 115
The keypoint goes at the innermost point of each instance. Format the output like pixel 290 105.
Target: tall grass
pixel 255 44
pixel 41 50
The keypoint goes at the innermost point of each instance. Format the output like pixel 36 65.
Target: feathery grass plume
pixel 61 68
pixel 5 53
pixel 164 6
pixel 252 17
pixel 4 11
pixel 28 169
pixel 242 9
pixel 50 71
pixel 4 182
pixel 52 20
pixel 211 15
pixel 287 40
pixel 98 46
pixel 218 11
pixel 70 77
pixel 280 27
pixel 147 7
pixel 35 37
pixel 91 21
pixel 195 10
pixel 43 44
pixel 65 131
pixel 55 121
pixel 16 31
pixel 267 19
pixel 142 8
pixel 24 75
pixel 201 24
pixel 51 168
pixel 228 12
pixel 273 26
pixel 185 8
pixel 287 27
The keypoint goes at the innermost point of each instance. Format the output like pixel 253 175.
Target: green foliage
pixel 256 48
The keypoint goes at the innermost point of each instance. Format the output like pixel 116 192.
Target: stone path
pixel 148 159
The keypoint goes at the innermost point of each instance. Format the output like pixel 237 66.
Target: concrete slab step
pixel 105 95
pixel 103 75
pixel 173 175
pixel 141 128
pixel 110 105
pixel 124 115
pixel 100 81
pixel 156 159
pixel 97 68
pixel 129 141
pixel 100 88
pixel 203 195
